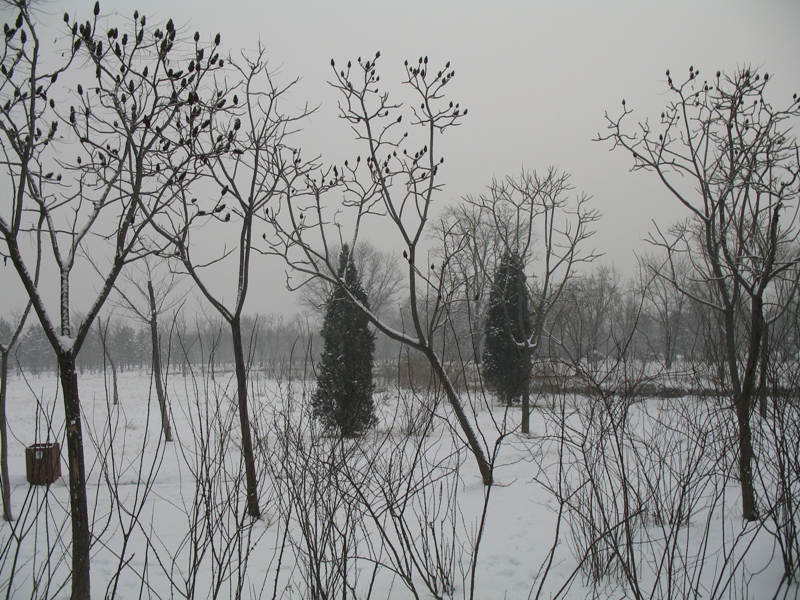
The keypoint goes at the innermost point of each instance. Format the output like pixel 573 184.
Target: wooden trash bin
pixel 43 463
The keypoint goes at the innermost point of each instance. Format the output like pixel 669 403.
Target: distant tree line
pixel 597 312
pixel 270 342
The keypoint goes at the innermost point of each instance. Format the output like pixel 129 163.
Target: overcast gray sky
pixel 536 76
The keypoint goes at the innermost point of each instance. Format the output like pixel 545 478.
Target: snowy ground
pixel 168 518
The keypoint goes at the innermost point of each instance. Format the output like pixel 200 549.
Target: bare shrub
pixel 641 489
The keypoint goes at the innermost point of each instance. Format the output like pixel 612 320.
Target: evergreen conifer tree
pixel 343 398
pixel 508 322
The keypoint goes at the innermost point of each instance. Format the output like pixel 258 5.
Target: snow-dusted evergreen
pixel 343 399
pixel 508 327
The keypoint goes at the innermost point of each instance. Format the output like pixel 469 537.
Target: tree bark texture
pixel 746 455
pixel 6 491
pixel 81 537
pixel 160 393
pixel 244 418
pixel 458 408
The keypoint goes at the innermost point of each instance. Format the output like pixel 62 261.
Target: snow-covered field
pixel 393 515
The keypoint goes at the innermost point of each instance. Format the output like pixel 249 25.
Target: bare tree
pixel 727 156
pixel 667 304
pixel 534 218
pixel 583 323
pixel 469 245
pixel 249 166
pixel 102 335
pixel 153 301
pixel 397 180
pixel 9 335
pixel 97 186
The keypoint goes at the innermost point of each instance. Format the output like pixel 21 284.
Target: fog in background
pixel 536 77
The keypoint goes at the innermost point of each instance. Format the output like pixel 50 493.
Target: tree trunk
pixel 744 399
pixel 107 355
pixel 526 390
pixel 162 397
pixel 762 374
pixel 113 376
pixel 749 505
pixel 667 347
pixel 742 388
pixel 6 491
pixel 247 444
pixel 526 409
pixel 526 402
pixel 472 439
pixel 81 539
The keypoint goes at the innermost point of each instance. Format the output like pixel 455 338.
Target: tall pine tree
pixel 508 323
pixel 343 398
